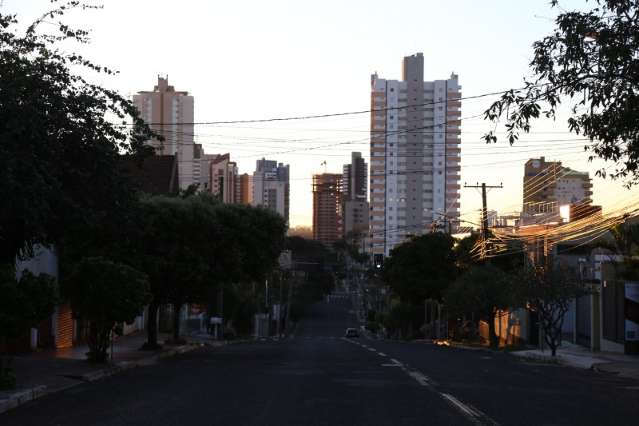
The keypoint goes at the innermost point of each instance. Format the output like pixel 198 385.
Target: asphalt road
pixel 320 378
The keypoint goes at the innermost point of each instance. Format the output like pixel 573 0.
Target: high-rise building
pixel 415 155
pixel 548 185
pixel 355 208
pixel 327 207
pixel 355 180
pixel 169 113
pixel 271 186
pixel 224 179
pixel 245 189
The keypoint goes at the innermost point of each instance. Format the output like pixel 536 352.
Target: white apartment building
pixel 271 186
pixel 170 114
pixel 415 156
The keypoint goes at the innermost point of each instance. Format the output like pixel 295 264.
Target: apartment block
pixel 224 178
pixel 271 186
pixel 355 178
pixel 415 154
pixel 245 189
pixel 355 207
pixel 327 207
pixel 548 185
pixel 169 113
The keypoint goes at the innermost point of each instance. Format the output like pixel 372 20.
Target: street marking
pixel 469 411
pixel 421 379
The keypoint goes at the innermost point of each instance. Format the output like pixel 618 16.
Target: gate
pixel 583 320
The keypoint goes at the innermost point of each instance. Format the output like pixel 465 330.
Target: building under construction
pixel 327 206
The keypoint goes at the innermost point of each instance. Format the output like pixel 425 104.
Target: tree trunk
pixel 152 327
pixel 177 307
pixel 492 335
pixel 98 341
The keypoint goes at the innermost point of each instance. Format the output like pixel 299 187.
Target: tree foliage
pixel 104 293
pixel 485 291
pixel 59 148
pixel 189 246
pixel 589 62
pixel 24 303
pixel 421 268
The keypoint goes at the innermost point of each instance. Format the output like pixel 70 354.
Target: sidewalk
pixel 49 371
pixel 580 357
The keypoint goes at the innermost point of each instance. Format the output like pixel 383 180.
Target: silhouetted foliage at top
pixel 59 145
pixel 589 62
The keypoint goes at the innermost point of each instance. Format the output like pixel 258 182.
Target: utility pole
pixel 484 211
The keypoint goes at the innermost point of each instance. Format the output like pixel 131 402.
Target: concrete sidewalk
pixel 50 371
pixel 580 357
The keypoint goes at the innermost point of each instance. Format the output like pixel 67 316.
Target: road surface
pixel 319 378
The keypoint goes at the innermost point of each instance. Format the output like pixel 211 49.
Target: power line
pixel 336 114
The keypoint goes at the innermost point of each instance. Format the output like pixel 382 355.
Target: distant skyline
pixel 256 59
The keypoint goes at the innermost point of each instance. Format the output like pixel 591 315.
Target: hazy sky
pixel 277 58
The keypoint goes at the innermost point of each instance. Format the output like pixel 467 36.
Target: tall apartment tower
pixel 548 185
pixel 224 178
pixel 355 208
pixel 170 114
pixel 415 155
pixel 271 186
pixel 327 207
pixel 355 180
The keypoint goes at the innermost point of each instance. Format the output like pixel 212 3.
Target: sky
pixel 280 58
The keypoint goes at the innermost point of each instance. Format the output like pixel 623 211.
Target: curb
pixel 540 358
pixel 22 397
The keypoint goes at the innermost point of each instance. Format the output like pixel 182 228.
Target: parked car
pixel 351 332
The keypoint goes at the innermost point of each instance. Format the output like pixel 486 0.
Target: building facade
pixel 327 207
pixel 548 186
pixel 355 207
pixel 169 113
pixel 355 178
pixel 224 179
pixel 271 186
pixel 245 190
pixel 415 155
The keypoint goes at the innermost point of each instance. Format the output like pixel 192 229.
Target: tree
pixel 170 230
pixel 590 63
pixel 104 293
pixel 421 268
pixel 549 290
pixel 60 147
pixel 190 246
pixel 24 303
pixel 485 291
